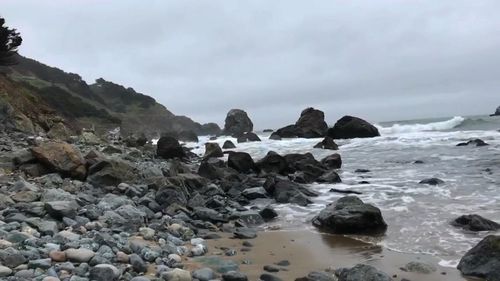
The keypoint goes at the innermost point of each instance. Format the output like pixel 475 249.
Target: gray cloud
pixel 381 60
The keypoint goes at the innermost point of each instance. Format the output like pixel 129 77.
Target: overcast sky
pixel 380 60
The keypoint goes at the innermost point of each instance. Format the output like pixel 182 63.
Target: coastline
pixel 308 251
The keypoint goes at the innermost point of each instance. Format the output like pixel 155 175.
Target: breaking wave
pixel 435 126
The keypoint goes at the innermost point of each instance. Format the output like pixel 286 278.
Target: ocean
pixel 418 215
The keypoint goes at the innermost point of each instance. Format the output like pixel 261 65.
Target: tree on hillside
pixel 10 39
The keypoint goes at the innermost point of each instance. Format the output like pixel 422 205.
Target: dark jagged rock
pixel 285 191
pixel 269 277
pixel 210 129
pixel 305 166
pixel 187 135
pixel 333 161
pixel 476 142
pixel 228 145
pixel 274 136
pixel 212 168
pixel 268 213
pixel 311 123
pixel 483 260
pixel 289 131
pixel 168 148
pixel 61 157
pixel 349 127
pixel 327 143
pixel 349 215
pixel 136 140
pixel 241 162
pixel 169 195
pixel 361 272
pixel 212 149
pixel 330 177
pixel 497 112
pixel 475 223
pixel 273 163
pixel 432 181
pixel 248 137
pixel 237 123
pixel 345 191
pixel 234 276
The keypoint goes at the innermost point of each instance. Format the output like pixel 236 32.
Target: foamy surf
pixel 435 126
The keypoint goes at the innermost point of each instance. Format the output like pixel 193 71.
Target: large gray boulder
pixel 475 223
pixel 311 124
pixel 237 123
pixel 349 215
pixel 483 260
pixel 285 191
pixel 61 157
pixel 168 148
pixel 349 127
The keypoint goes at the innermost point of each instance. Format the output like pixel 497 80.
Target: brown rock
pixel 58 256
pixel 61 157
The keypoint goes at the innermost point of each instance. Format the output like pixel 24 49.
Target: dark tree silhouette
pixel 10 39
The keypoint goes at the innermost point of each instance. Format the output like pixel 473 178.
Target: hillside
pixel 34 97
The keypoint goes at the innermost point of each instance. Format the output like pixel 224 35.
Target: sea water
pixel 418 215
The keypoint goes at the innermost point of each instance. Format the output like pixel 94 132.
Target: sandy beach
pixel 312 251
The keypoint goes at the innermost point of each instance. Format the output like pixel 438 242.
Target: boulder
pixel 285 191
pixel 111 172
pixel 212 149
pixel 241 162
pixel 248 137
pixel 483 260
pixel 104 272
pixel 187 136
pixel 327 143
pixel 333 161
pixel 168 147
pixel 59 132
pixel 349 127
pixel 361 272
pixel 228 145
pixel 177 275
pixel 475 142
pixel 211 129
pixel 237 123
pixel 497 112
pixel 311 123
pixel 136 140
pixel 168 195
pixel 330 177
pixel 89 138
pixel 212 168
pixel 61 157
pixel 349 215
pixel 475 223
pixel 273 163
pixel 306 168
pixel 290 131
pixel 60 209
pixel 432 181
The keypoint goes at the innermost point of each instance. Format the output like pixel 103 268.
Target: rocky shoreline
pixel 93 208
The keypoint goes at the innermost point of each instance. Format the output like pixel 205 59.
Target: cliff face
pixel 34 97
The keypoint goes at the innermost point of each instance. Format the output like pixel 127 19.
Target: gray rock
pixel 5 271
pixel 79 255
pixel 228 145
pixel 212 149
pixel 245 233
pixel 168 147
pixel 237 122
pixel 12 258
pixel 40 263
pixel 111 172
pixel 269 277
pixel 432 181
pixel 349 215
pixel 361 272
pixel 104 272
pixel 112 201
pixel 177 275
pixel 60 209
pixel 138 263
pixel 234 276
pixel 204 274
pixel 349 127
pixel 483 260
pixel 134 216
pixel 318 276
pixel 475 223
pixel 241 162
pixel 419 267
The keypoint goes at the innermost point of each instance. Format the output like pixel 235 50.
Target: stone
pixel 79 255
pixel 186 136
pixel 419 267
pixel 327 143
pixel 269 277
pixel 237 122
pixel 285 191
pixel 177 275
pixel 11 258
pixel 311 123
pixel 333 161
pixel 271 268
pixel 40 263
pixel 241 162
pixel 168 148
pixel 361 272
pixel 60 209
pixel 244 233
pixel 234 276
pixel 89 138
pixel 57 256
pixel 61 157
pixel 228 145
pixel 349 215
pixel 432 181
pixel 475 142
pixel 483 260
pixel 349 127
pixel 248 137
pixel 212 149
pixel 254 193
pixel 5 271
pixel 104 272
pixel 204 274
pixel 112 172
pixel 330 177
pixel 138 263
pixel 475 223
pixel 268 213
pixel 147 233
pixel 318 276
pixel 273 163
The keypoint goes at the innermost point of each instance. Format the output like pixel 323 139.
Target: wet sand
pixel 311 251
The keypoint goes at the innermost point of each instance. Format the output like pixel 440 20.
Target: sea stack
pixel 497 112
pixel 237 123
pixel 311 124
pixel 349 127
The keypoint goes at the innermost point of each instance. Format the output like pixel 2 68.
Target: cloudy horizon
pixel 379 60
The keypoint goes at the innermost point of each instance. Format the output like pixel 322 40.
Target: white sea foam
pixel 435 126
